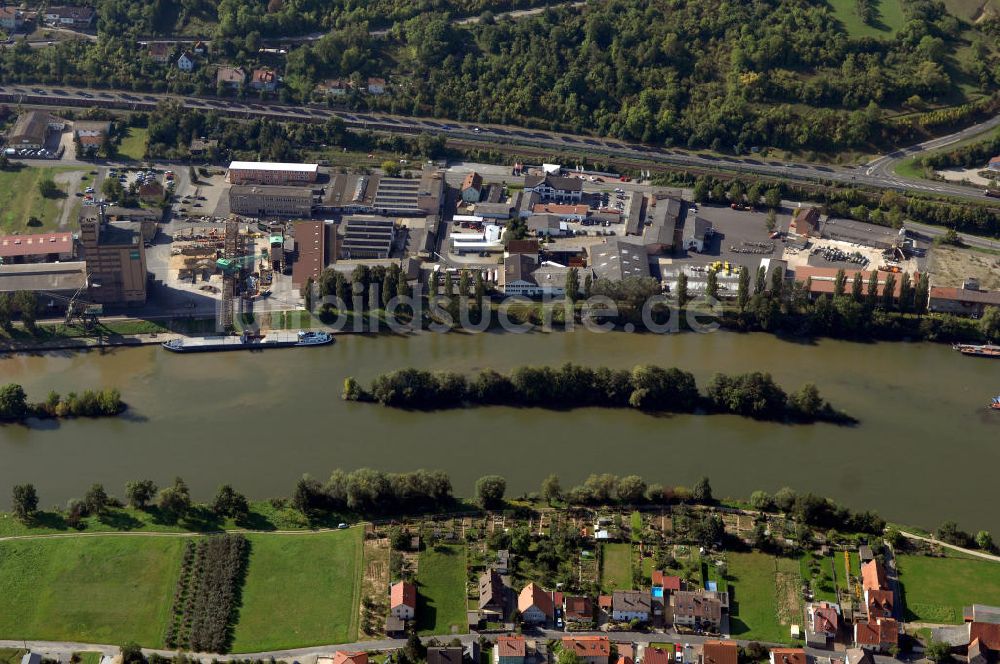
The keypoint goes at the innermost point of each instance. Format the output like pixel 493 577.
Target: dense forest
pixel 724 74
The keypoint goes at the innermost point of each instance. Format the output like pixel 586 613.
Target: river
pixel 926 449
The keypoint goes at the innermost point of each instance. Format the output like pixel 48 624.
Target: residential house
pixel 994 164
pixel 805 222
pixel 697 232
pixel 11 19
pixel 669 584
pixel 604 604
pixel 264 80
pixel 698 609
pixel 865 553
pixel 873 576
pixel 629 605
pixel 186 61
pixel 403 600
pixel 969 300
pixel 858 656
pixel 90 135
pixel 578 609
pixel 70 17
pixel 333 87
pixel 344 657
pixel 446 655
pixel 510 650
pixel 879 635
pixel 395 627
pixel 981 613
pixel 720 652
pixel 230 77
pixel 788 656
pixel 565 212
pixel 555 188
pixel 502 564
pixel 492 593
pixel 589 649
pixel 535 605
pixel 526 206
pixel 160 52
pixel 472 187
pixel 880 603
pixel 651 655
pixel 823 624
pixel 376 86
pixel 546 225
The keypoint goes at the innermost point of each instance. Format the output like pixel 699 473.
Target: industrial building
pixel 61 279
pixel 31 130
pixel 37 248
pixel 374 194
pixel 271 201
pixel 116 261
pixel 368 237
pixel 486 240
pixel 969 300
pixel 264 172
pixel 315 247
pixel 617 260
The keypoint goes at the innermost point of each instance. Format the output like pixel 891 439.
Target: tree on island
pixel 13 402
pixel 490 491
pixel 25 502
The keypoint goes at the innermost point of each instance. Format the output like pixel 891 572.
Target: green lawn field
pixel 441 594
pixel 300 590
pixel 20 200
pixel 890 18
pixel 133 145
pixel 616 567
pixel 936 589
pixel 11 655
pixel 88 589
pixel 764 596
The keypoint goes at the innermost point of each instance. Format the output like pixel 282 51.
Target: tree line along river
pixel 926 449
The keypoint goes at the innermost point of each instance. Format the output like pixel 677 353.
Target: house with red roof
pixel 873 576
pixel 651 655
pixel 510 650
pixel 879 603
pixel 590 649
pixel 668 583
pixel 994 164
pixel 823 624
pixel 879 634
pixel 720 652
pixel 788 656
pixel 403 600
pixel 535 604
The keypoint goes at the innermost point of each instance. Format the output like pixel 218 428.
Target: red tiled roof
pixel 534 595
pixel 825 619
pixel 720 652
pixel 345 657
pixel 555 208
pixel 622 659
pixel 657 656
pixel 511 646
pixel 988 634
pixel 789 655
pixel 881 631
pixel 604 601
pixel 472 181
pixel 579 608
pixel 823 279
pixel 36 244
pixel 965 295
pixel 588 646
pixel 880 603
pixel 403 594
pixel 873 576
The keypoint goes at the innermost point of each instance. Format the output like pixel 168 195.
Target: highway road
pixel 878 174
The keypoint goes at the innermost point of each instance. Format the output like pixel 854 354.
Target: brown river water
pixel 926 449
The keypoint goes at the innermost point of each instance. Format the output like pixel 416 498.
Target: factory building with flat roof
pixel 368 237
pixel 271 201
pixel 116 261
pixel 267 172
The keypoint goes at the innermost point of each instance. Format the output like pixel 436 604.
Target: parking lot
pixel 740 237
